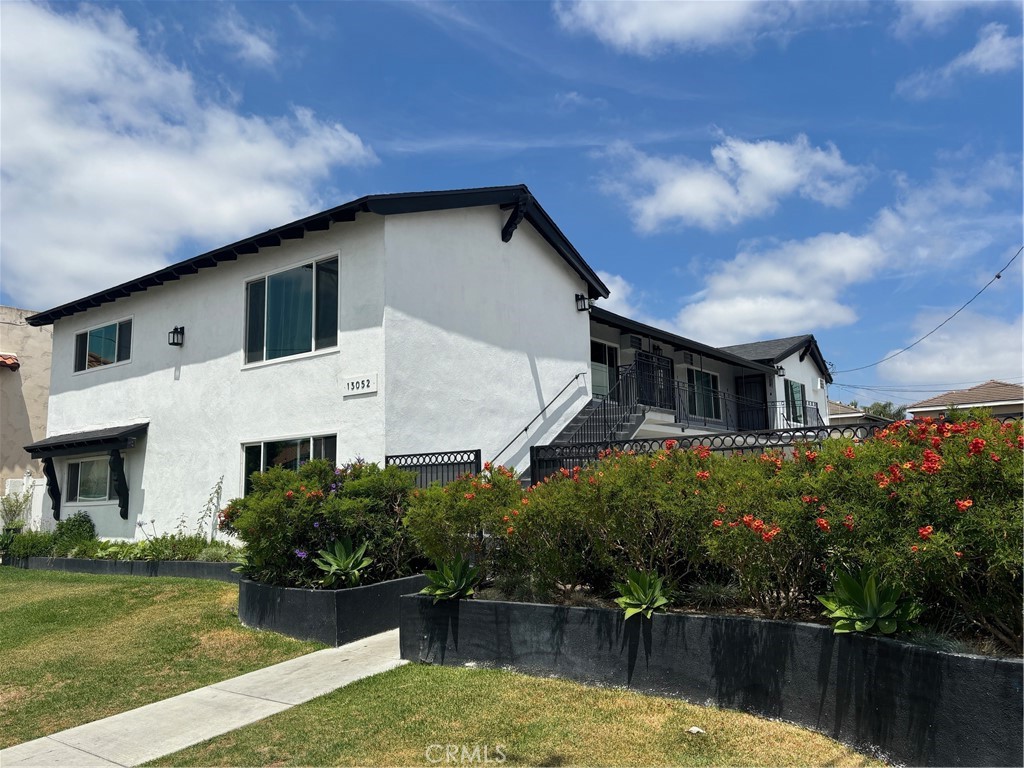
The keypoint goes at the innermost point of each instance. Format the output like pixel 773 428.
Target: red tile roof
pixel 10 362
pixel 990 392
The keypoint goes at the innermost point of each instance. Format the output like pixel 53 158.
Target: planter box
pixel 185 569
pixel 330 616
pixel 912 704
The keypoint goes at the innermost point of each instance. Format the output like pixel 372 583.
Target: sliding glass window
pixel 292 312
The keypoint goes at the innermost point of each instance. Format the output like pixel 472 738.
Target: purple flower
pixel 301 554
pixel 316 524
pixel 337 470
pixel 334 486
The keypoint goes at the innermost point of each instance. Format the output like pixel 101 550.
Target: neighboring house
pixel 24 389
pixel 1000 398
pixel 840 414
pixel 392 325
pixel 801 382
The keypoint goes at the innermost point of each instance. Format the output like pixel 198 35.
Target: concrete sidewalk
pixel 143 734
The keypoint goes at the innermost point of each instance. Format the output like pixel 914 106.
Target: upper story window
pixel 796 402
pixel 105 345
pixel 292 312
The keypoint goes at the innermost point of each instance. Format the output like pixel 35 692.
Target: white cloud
pixel 918 17
pixel 623 297
pixel 250 43
pixel 993 54
pixel 648 28
pixel 801 286
pixel 573 100
pixel 744 180
pixel 111 158
pixel 782 291
pixel 974 346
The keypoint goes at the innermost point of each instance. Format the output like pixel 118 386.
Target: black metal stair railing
pixel 608 415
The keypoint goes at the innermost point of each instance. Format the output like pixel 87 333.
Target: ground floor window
pixel 702 394
pixel 290 454
pixel 90 480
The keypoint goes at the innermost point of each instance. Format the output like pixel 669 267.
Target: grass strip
pixel 411 715
pixel 77 647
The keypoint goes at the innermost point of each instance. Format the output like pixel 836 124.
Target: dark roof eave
pixel 610 318
pixel 382 204
pixel 75 443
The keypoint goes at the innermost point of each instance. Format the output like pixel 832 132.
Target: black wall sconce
pixel 780 371
pixel 176 337
pixel 583 304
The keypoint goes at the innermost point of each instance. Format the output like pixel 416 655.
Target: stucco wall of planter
pixel 178 568
pixel 912 704
pixel 330 616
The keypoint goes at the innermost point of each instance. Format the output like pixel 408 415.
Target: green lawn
pixel 77 648
pixel 392 719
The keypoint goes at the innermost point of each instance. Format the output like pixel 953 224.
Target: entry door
pixel 753 402
pixel 604 367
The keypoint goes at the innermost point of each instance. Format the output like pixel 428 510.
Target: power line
pixel 998 275
pixel 929 387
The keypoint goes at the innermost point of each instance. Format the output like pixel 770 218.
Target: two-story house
pixel 391 325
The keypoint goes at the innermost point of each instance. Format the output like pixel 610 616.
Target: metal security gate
pixel 441 467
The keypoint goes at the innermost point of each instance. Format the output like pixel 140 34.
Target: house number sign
pixel 360 385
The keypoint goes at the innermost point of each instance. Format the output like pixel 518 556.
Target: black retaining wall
pixel 913 704
pixel 185 569
pixel 330 616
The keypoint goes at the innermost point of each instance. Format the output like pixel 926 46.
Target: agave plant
pixel 641 593
pixel 453 580
pixel 343 563
pixel 860 604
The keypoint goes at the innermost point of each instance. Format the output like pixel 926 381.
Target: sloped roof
pixel 517 198
pixel 842 409
pixel 10 362
pixel 680 342
pixel 991 391
pixel 72 443
pixel 775 350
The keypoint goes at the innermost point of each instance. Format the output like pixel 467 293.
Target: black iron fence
pixel 441 467
pixel 548 459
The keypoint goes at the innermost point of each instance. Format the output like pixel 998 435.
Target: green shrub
pixel 935 508
pixel 31 544
pixel 290 514
pixel 72 532
pixel 452 580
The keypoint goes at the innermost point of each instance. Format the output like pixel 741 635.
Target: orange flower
pixel 925 532
pixel 829 468
pixel 469 495
pixel 703 475
pixel 510 530
pixel 914 548
pixel 964 504
pixel 717 523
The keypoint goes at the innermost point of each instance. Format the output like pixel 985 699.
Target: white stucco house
pixel 391 325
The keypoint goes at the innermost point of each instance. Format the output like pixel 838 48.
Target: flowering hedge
pixel 289 516
pixel 933 506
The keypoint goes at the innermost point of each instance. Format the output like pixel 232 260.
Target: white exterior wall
pixel 202 403
pixel 807 373
pixel 480 335
pixel 469 338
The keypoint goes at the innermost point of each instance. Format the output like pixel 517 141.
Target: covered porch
pixel 663 385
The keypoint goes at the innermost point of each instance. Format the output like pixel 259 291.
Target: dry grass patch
pixel 79 647
pixel 391 720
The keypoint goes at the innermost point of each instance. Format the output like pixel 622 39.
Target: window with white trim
pixel 290 454
pixel 90 480
pixel 103 345
pixel 292 312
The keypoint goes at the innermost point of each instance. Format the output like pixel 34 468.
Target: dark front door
pixel 752 394
pixel 654 380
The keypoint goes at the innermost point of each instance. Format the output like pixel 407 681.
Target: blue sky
pixel 735 171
